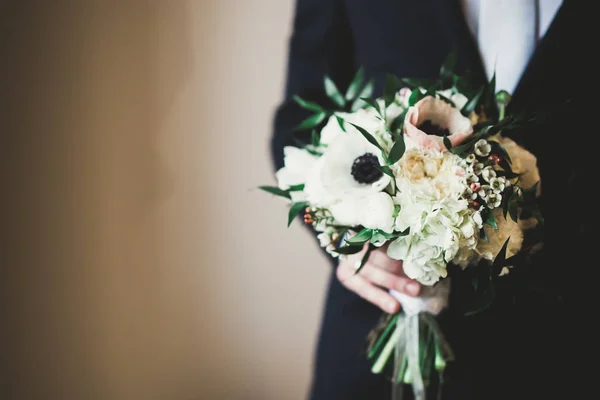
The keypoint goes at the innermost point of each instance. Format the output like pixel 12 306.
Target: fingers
pixel 369 292
pixel 381 277
pixel 380 258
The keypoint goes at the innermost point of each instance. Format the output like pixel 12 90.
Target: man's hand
pixel 379 274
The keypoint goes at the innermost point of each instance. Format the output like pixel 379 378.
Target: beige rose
pixel 496 237
pixel 438 113
pixel 523 162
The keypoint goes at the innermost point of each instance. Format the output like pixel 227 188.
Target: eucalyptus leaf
pixel 366 92
pixel 415 83
pixel 355 85
pixel 397 150
pixel 350 249
pixel 392 85
pixel 513 209
pixel 311 122
pixel 448 67
pixel 490 220
pixel 472 103
pixel 314 138
pixel 397 124
pixel 295 209
pixel 415 96
pixel 490 94
pixel 447 143
pixel 386 170
pixel 361 237
pixel 378 237
pixel 333 92
pixel 276 191
pixel 365 258
pixel 340 122
pixel 370 138
pixel 446 100
pixel 508 192
pixel 499 259
pixel 372 103
pixel 309 105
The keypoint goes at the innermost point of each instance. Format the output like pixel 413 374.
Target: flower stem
pixel 387 350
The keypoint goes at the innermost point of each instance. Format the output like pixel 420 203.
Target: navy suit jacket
pixel 524 346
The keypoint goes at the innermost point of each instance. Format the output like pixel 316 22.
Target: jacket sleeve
pixel 321 44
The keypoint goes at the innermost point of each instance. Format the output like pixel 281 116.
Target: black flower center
pixel 431 129
pixel 364 169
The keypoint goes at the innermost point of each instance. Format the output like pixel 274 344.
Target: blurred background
pixel 138 259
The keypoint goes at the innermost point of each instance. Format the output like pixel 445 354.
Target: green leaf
pixel 448 67
pixel 295 209
pixel 355 85
pixel 276 191
pixel 499 260
pixel 513 209
pixel 378 236
pixel 314 138
pixel 340 122
pixel 490 94
pixel 372 103
pixel 445 99
pixel 447 143
pixel 415 83
pixel 311 122
pixel 333 92
pixel 296 188
pixel 366 92
pixel 370 138
pixel 392 85
pixel 397 124
pixel 309 105
pixel 361 237
pixel 397 150
pixel 386 170
pixel 471 104
pixel 490 220
pixel 350 249
pixel 365 258
pixel 415 96
pixel 508 192
pixel 483 235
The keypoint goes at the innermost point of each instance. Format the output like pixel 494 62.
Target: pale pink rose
pixel 442 115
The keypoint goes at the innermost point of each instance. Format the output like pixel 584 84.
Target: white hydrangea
pixel 438 229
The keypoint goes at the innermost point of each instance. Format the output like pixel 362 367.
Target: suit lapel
pixel 542 65
pixel 450 15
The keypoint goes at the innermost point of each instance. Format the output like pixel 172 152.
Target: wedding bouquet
pixel 425 171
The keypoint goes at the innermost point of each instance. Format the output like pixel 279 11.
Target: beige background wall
pixel 138 260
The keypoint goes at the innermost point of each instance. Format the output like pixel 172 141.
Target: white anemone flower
pixel 482 148
pixel 350 167
pixel 298 164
